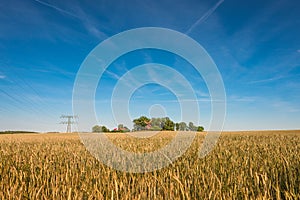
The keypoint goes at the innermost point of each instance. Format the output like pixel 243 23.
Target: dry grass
pixel 244 165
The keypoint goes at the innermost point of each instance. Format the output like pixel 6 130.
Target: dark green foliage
pixel 177 126
pixel 192 127
pixel 182 126
pixel 168 125
pixel 16 132
pixel 104 129
pixel 99 129
pixel 141 123
pixel 200 128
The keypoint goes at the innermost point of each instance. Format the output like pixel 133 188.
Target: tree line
pixel 144 123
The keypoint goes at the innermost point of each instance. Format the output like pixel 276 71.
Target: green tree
pixel 156 123
pixel 141 123
pixel 168 124
pixel 182 126
pixel 192 127
pixel 200 128
pixel 104 129
pixel 97 129
pixel 177 126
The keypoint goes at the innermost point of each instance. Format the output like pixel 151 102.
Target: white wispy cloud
pixel 201 93
pixel 246 40
pixel 80 15
pixel 48 68
pixel 113 75
pixel 205 16
pixel 285 106
pixel 2 76
pixel 298 50
pixel 267 80
pixel 237 98
pixel 57 8
pixel 91 24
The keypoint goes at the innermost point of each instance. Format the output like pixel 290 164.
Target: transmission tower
pixel 70 119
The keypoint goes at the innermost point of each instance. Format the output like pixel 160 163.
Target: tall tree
pixel 141 123
pixel 182 126
pixel 97 129
pixel 168 125
pixel 177 126
pixel 104 129
pixel 192 127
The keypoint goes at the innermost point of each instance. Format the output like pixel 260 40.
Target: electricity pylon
pixel 69 121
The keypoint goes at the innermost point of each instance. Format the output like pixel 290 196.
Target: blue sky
pixel 255 45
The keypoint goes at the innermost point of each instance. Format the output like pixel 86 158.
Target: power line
pixel 70 119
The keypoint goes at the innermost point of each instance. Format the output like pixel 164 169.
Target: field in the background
pixel 243 165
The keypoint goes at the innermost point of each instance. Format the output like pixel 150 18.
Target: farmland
pixel 243 165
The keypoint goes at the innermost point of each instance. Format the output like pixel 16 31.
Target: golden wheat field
pixel 243 165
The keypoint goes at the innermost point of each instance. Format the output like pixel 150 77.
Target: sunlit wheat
pixel 249 165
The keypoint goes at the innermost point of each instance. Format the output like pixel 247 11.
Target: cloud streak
pixel 57 8
pixel 81 16
pixel 285 106
pixel 113 75
pixel 266 80
pixel 89 22
pixel 276 78
pixel 204 17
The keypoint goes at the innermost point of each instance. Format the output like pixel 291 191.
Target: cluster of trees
pixel 165 123
pixel 153 124
pixel 182 126
pixel 16 132
pixel 100 129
